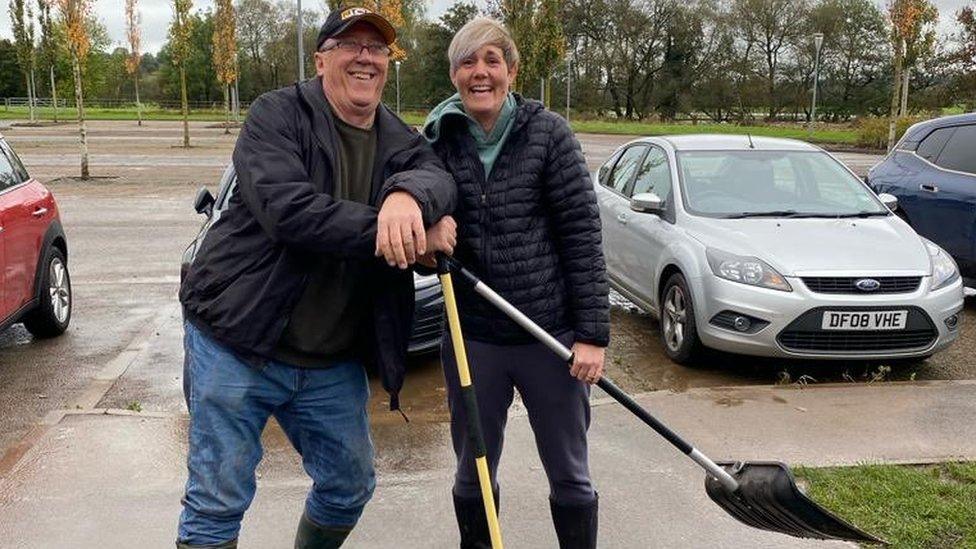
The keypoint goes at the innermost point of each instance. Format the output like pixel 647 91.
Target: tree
pixel 908 34
pixel 549 46
pixel 9 71
pixel 48 51
pixel 133 35
pixel 225 51
pixel 179 36
pixel 965 57
pixel 770 28
pixel 425 80
pixel 74 16
pixel 855 55
pixel 22 19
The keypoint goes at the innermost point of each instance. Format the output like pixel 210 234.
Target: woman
pixel 528 225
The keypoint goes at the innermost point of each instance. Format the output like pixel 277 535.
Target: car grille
pixel 845 284
pixel 428 326
pixel 805 335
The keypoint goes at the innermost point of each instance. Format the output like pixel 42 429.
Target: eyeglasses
pixel 355 48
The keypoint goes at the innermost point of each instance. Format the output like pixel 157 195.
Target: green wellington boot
pixel 313 536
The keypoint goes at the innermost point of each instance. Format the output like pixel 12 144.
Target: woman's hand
pixel 588 362
pixel 442 237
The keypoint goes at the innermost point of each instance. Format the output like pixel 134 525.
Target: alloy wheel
pixel 675 318
pixel 59 290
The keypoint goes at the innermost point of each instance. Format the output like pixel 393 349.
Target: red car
pixel 34 284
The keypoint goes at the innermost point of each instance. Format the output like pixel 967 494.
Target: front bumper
pixel 793 320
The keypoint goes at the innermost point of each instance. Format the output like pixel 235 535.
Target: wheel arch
pixel 53 237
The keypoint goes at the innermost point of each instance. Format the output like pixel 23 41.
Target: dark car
pixel 428 325
pixel 34 284
pixel 932 172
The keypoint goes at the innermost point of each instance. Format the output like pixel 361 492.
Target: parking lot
pixel 127 228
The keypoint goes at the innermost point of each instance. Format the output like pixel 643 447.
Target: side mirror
pixel 890 201
pixel 647 203
pixel 204 202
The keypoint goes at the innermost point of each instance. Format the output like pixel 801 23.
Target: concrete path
pixel 113 479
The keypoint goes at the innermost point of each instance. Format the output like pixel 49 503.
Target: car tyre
pixel 53 313
pixel 679 331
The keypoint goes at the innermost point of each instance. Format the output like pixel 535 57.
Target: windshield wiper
pixel 796 215
pixel 772 213
pixel 864 214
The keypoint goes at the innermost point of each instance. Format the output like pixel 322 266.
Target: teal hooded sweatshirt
pixel 489 145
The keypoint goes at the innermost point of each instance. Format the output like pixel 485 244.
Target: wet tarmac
pixel 126 234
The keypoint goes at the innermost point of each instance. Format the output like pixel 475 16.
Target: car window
pixel 932 145
pixel 757 182
pixel 8 176
pixel 654 175
pixel 958 151
pixel 625 168
pixel 604 173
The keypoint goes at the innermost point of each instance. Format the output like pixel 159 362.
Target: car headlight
pixel 745 269
pixel 944 270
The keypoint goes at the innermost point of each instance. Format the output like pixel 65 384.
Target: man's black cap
pixel 340 20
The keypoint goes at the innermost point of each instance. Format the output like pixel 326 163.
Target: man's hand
pixel 588 362
pixel 400 236
pixel 442 237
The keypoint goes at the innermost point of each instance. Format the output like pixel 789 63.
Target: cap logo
pixel 352 12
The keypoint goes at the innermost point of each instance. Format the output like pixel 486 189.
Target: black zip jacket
pixel 253 264
pixel 531 230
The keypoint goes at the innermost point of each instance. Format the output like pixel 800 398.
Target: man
pixel 286 300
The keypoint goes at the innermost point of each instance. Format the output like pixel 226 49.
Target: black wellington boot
pixel 576 525
pixel 472 522
pixel 314 536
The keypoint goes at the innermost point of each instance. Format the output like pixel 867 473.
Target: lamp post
pixel 301 53
pixel 569 79
pixel 396 64
pixel 817 42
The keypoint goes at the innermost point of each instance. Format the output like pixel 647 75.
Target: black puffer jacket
pixel 531 231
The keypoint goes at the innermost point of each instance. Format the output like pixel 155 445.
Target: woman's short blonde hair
pixel 477 33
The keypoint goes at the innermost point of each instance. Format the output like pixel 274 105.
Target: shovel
pixel 761 494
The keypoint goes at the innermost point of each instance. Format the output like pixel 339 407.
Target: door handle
pixel 929 188
pixel 39 211
pixel 622 217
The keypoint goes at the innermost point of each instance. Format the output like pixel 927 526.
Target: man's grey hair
pixel 477 33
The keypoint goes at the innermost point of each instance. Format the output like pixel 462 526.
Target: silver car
pixel 770 247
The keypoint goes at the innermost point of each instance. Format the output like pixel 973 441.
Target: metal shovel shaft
pixel 611 389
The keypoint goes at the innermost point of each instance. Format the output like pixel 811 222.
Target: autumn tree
pixel 179 36
pixel 74 15
pixel 909 19
pixel 225 51
pixel 22 19
pixel 133 34
pixel 548 46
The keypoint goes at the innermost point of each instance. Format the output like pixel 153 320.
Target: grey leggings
pixel 558 407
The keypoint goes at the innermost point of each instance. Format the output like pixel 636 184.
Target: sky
pixel 156 15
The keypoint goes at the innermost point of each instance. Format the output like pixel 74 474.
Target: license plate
pixel 864 320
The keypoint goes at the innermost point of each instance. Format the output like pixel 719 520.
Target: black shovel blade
pixel 769 499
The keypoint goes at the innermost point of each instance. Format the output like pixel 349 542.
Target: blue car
pixel 932 172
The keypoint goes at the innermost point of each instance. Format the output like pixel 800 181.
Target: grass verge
pixel 930 506
pixel 825 136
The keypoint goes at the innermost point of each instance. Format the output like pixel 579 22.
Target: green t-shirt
pixel 326 321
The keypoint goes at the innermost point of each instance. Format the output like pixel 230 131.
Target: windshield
pixel 736 184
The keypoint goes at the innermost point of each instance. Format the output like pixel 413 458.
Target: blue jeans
pixel 323 413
